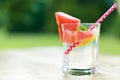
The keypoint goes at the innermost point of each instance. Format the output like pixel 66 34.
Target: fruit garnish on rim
pixel 69 32
pixel 84 37
pixel 71 36
pixel 83 28
pixel 62 18
pixel 73 30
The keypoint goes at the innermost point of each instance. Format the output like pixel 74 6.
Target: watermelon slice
pixel 71 34
pixel 68 37
pixel 84 37
pixel 62 18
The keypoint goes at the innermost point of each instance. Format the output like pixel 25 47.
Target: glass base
pixel 80 72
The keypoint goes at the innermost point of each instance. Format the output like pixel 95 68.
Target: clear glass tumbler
pixel 83 59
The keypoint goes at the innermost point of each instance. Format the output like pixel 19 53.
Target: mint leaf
pixel 83 28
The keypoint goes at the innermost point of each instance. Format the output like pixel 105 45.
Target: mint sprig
pixel 83 28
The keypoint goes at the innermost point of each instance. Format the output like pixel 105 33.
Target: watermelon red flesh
pixel 71 26
pixel 62 18
pixel 68 37
pixel 83 35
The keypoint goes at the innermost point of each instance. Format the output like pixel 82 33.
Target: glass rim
pixel 98 24
pixel 89 23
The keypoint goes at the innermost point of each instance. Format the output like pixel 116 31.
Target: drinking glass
pixel 82 60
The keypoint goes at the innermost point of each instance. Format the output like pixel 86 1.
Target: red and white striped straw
pixel 71 47
pixel 101 19
pixel 93 26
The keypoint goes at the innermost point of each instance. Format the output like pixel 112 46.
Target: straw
pixel 71 47
pixel 93 26
pixel 101 19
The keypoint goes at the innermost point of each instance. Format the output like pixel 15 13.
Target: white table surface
pixel 44 63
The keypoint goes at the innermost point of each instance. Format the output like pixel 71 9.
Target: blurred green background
pixel 31 23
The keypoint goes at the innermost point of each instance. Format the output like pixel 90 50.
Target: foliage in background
pixel 116 26
pixel 28 17
pixel 22 16
pixel 4 13
pixel 38 15
pixel 108 44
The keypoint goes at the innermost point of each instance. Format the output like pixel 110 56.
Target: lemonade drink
pixel 83 59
